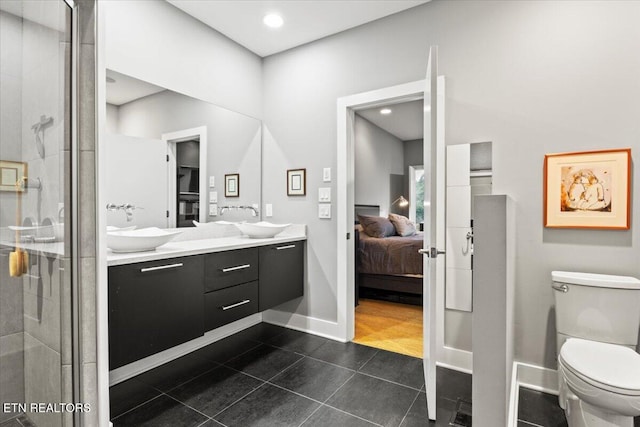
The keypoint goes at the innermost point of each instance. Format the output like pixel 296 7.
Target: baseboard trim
pixel 132 369
pixel 456 359
pixel 532 377
pixel 299 322
pixel 538 378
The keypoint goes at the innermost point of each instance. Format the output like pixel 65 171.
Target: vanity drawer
pixel 225 269
pixel 230 304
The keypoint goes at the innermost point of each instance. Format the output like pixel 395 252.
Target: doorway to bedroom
pixel 389 215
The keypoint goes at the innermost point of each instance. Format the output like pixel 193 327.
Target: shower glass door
pixel 36 373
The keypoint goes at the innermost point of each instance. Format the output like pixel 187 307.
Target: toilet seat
pixel 609 367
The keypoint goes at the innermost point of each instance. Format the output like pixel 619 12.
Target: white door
pixel 138 175
pixel 434 232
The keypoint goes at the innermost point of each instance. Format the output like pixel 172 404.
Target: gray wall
pixel 377 156
pixel 533 77
pixel 413 153
pixel 233 141
pixel 178 52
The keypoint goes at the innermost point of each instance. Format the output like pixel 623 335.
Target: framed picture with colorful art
pixel 590 189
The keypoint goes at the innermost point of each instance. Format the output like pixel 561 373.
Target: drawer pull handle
pixel 161 267
pixel 240 267
pixel 279 248
pixel 238 304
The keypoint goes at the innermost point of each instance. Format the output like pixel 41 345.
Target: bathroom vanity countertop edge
pixel 197 247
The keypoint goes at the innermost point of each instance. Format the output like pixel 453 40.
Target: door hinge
pixel 167 214
pixel 348 236
pixel 167 157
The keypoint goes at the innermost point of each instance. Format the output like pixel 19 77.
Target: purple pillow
pixel 376 226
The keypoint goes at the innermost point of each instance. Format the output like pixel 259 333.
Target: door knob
pixel 431 252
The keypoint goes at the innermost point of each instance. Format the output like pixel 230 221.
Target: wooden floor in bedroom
pixel 389 326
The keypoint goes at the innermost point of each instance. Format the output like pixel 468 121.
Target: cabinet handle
pixel 160 267
pixel 279 248
pixel 238 304
pixel 240 267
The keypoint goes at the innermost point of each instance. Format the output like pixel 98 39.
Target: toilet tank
pixel 597 307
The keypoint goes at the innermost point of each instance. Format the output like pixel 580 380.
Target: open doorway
pixel 389 215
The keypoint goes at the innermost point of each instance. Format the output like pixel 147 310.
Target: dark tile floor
pixel 273 376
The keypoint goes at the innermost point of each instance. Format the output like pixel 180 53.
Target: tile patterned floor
pixel 272 376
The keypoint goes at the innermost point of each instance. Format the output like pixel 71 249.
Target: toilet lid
pixel 609 364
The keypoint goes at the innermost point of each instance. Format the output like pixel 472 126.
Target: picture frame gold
pixel 588 189
pixel 12 172
pixel 232 185
pixel 296 182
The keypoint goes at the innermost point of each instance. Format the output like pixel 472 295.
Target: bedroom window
pixel 416 193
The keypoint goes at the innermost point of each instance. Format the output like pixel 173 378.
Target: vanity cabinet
pixel 281 273
pixel 154 306
pixel 231 282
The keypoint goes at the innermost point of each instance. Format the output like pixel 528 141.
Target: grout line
pixel 353 415
pixel 529 423
pixel 190 407
pixel 369 359
pixel 415 399
pixel 338 389
pixel 136 407
pixel 389 381
pixel 236 401
pixel 189 380
pixel 332 364
pixel 310 415
pixel 287 368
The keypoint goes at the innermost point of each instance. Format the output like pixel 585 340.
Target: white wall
pixel 157 42
pixel 378 154
pixel 533 77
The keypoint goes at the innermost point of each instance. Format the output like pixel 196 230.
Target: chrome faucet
pixel 223 209
pixel 128 209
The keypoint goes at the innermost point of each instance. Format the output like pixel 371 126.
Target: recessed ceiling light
pixel 385 111
pixel 273 20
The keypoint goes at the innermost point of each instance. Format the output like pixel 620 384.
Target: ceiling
pixel 304 21
pixel 126 89
pixel 405 121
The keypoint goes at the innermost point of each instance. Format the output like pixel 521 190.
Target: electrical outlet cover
pixel 324 194
pixel 213 197
pixel 213 209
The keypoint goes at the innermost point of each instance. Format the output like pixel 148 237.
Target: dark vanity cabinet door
pixel 154 306
pixel 281 273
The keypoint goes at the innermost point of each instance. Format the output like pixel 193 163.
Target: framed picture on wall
pixel 296 182
pixel 589 189
pixel 10 174
pixel 232 185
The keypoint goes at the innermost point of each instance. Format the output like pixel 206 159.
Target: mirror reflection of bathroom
pixel 167 155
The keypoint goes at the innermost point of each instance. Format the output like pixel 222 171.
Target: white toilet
pixel 597 324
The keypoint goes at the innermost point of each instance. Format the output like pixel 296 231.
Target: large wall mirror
pixel 177 159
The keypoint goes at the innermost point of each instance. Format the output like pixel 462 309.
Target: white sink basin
pixel 260 230
pixel 144 239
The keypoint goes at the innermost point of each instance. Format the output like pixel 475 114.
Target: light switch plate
pixel 324 194
pixel 326 175
pixel 213 209
pixel 213 197
pixel 324 211
pixel 268 210
pixel 212 181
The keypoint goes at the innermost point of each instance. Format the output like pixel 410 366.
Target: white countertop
pixel 182 248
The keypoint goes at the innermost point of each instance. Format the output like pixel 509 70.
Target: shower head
pixel 40 126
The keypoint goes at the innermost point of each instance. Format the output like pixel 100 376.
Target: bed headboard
pixel 373 210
